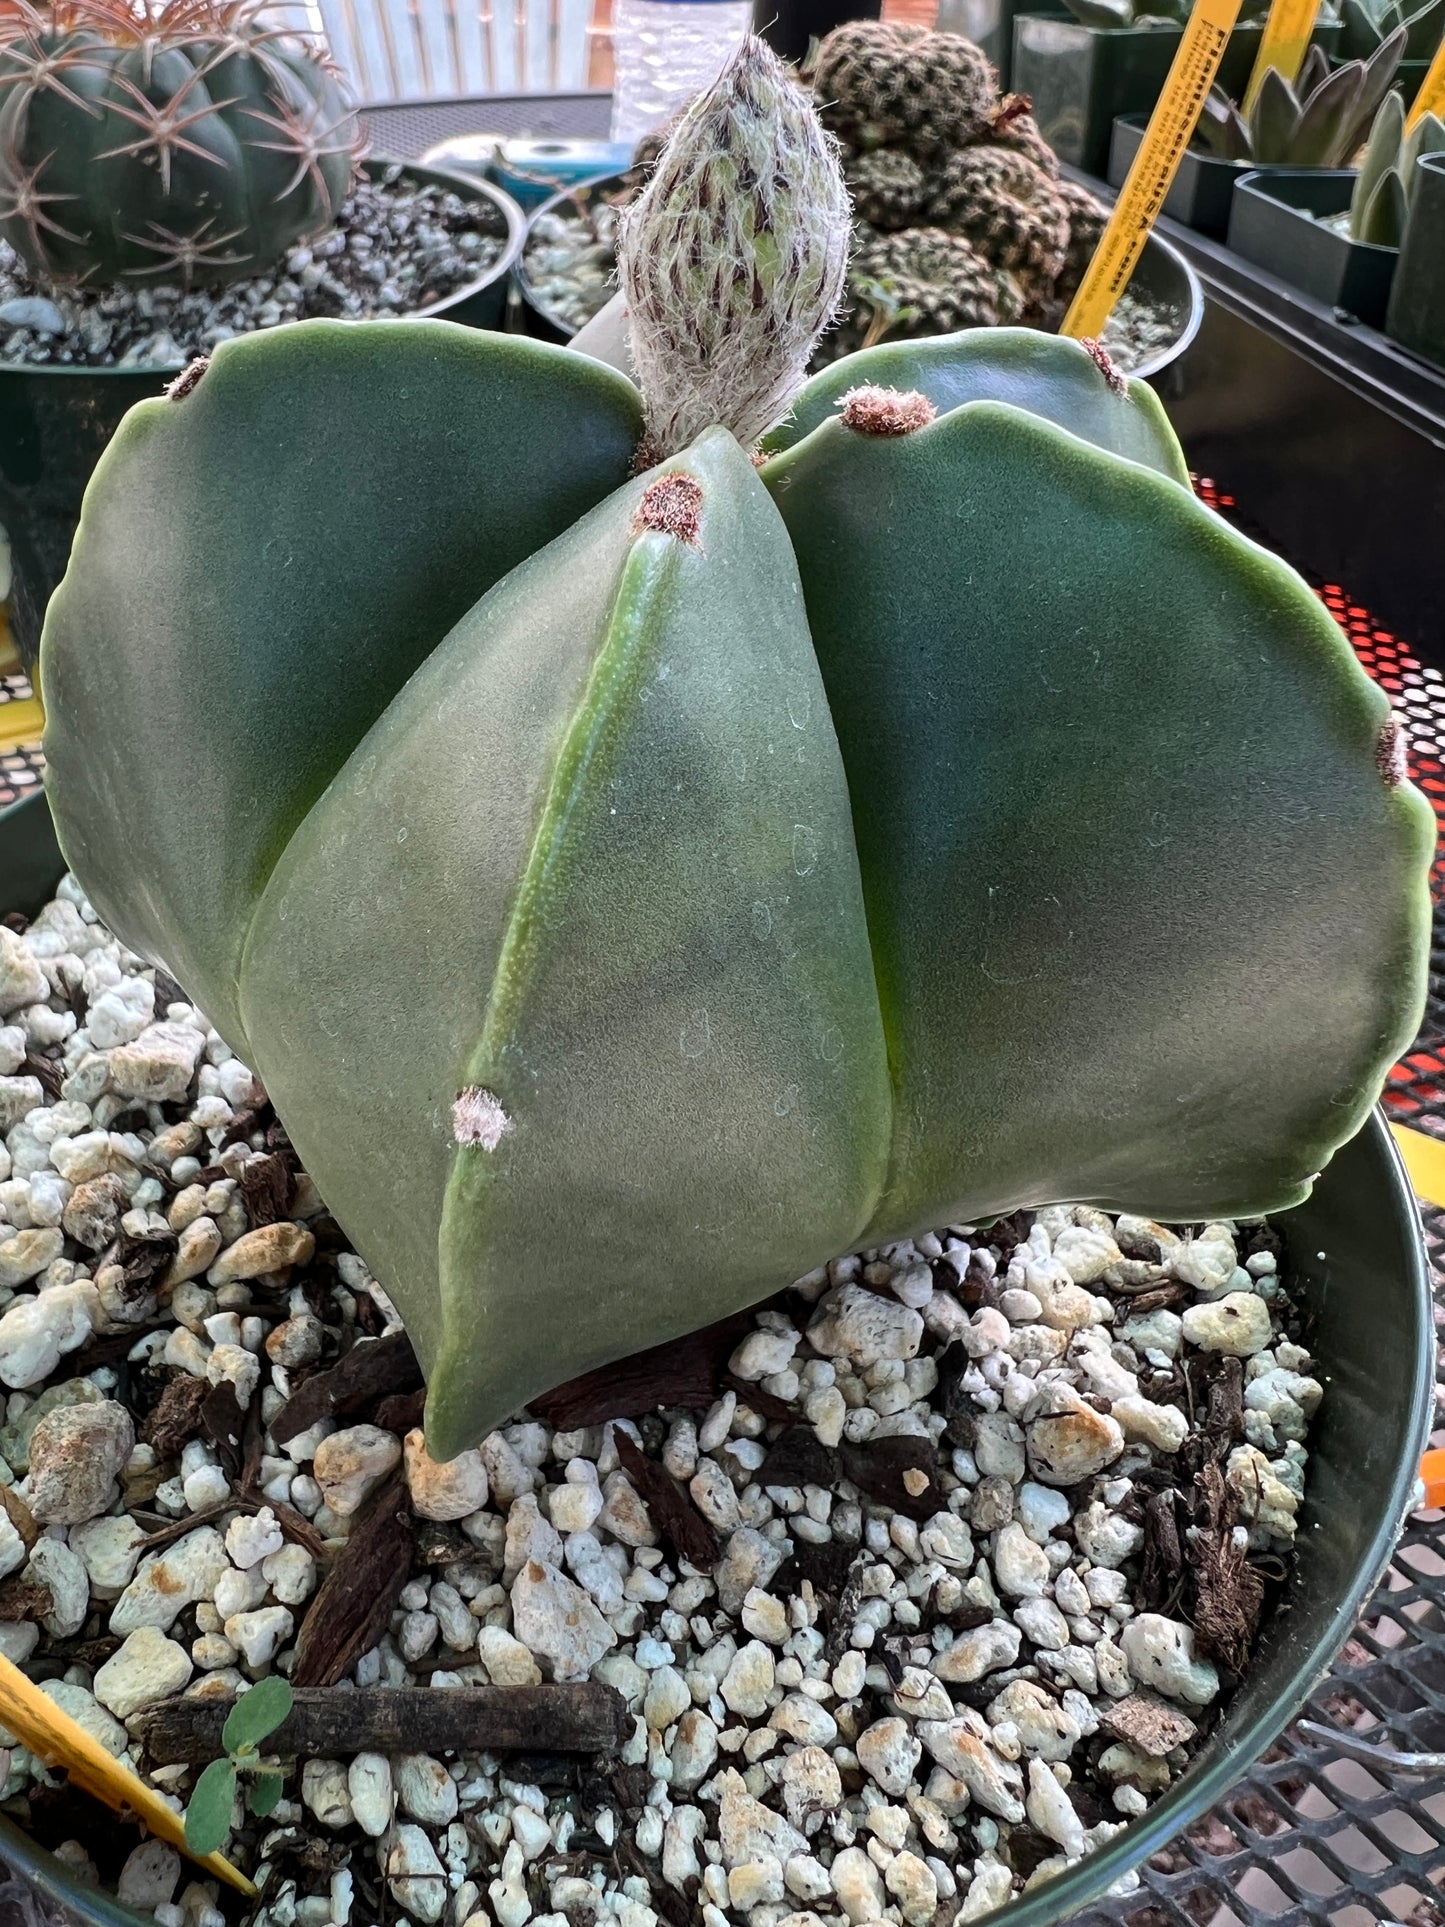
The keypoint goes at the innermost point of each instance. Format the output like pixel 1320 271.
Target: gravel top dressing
pixel 570 265
pixel 399 245
pixel 882 1602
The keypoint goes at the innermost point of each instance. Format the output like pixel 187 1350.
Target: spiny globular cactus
pixel 635 890
pixel 1011 211
pixel 922 281
pixel 165 140
pixel 880 84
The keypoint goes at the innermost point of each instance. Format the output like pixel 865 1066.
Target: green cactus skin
pixel 1014 859
pixel 1319 120
pixel 477 450
pixel 182 142
pixel 1048 843
pixel 879 84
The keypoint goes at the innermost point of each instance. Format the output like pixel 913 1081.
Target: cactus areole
pixel 636 888
pixel 177 141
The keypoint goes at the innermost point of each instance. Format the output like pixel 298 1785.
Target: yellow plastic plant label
pixel 1431 97
pixel 1283 44
pixel 1171 127
pixel 21 722
pixel 34 1719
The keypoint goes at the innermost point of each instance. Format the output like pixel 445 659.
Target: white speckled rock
pixel 88 1713
pixel 1163 1426
pixel 270 1247
pixel 912 1883
pixel 748 1560
pixel 1073 1442
pixel 558 1621
pixel 22 981
pixel 960 1748
pixel 507 1661
pixel 252 1537
pixel 1051 1810
pixel 12 1546
pixel 748 1680
pixel 157 1067
pixel 147 1667
pixel 694 1750
pixel 444 1491
pixel 290 1572
pixel 1161 1655
pixel 149 1876
pixel 1237 1324
pixel 373 1797
pixel 1206 1263
pixel 417 1879
pixel 666 1700
pixel 747 1829
pixel 169 1581
pixel 56 1566
pixel 888 1753
pixel 1021 1569
pixel 257 1635
pixel 574 1505
pixel 1086 1254
pixel 853 1323
pixel 36 1333
pixel 109 1550
pixel 324 1790
pixel 812 1788
pixel 858 1885
pixel 351 1463
pixel 425 1791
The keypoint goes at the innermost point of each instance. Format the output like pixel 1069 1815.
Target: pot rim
pixel 1217 1769
pixel 1155 246
pixel 574 194
pixel 1260 181
pixel 468 184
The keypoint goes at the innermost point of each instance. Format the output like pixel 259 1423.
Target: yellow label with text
pixel 1431 97
pixel 1171 127
pixel 1283 44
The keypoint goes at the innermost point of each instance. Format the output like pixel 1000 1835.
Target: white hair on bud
pixel 733 259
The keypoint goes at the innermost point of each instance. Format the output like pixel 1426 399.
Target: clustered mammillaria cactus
pixel 635 889
pixel 962 219
pixel 165 140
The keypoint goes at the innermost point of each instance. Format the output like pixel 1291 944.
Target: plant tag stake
pixel 57 1740
pixel 1171 125
pixel 1431 97
pixel 1283 44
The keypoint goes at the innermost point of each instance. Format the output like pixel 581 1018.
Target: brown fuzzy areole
pixel 1104 362
pixel 870 410
pixel 1392 753
pixel 188 379
pixel 672 505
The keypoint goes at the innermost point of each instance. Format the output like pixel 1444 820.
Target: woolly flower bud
pixel 732 262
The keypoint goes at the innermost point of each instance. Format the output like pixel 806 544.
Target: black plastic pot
pixel 1356 1256
pixel 1082 78
pixel 990 25
pixel 55 423
pixel 1277 220
pixel 1202 192
pixel 1416 315
pixel 788 25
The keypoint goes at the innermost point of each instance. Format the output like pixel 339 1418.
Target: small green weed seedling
pixel 254 1717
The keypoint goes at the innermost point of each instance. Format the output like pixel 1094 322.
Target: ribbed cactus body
pixel 1009 209
pixel 887 185
pixel 878 84
pixel 922 281
pixel 192 144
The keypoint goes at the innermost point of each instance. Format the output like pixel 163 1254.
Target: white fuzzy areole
pixel 478 1119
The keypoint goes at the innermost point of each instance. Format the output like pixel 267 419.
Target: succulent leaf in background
pixel 1320 120
pixel 165 140
pixel 1383 191
pixel 634 891
pixel 1365 23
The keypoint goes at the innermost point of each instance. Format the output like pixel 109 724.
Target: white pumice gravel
pixel 958 1632
pixel 398 245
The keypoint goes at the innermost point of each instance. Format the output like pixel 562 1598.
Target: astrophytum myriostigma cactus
pixel 637 889
pixel 165 140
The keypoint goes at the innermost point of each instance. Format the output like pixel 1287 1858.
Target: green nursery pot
pixel 1081 79
pixel 1201 194
pixel 1277 221
pixel 55 422
pixel 1416 315
pixel 1356 1255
